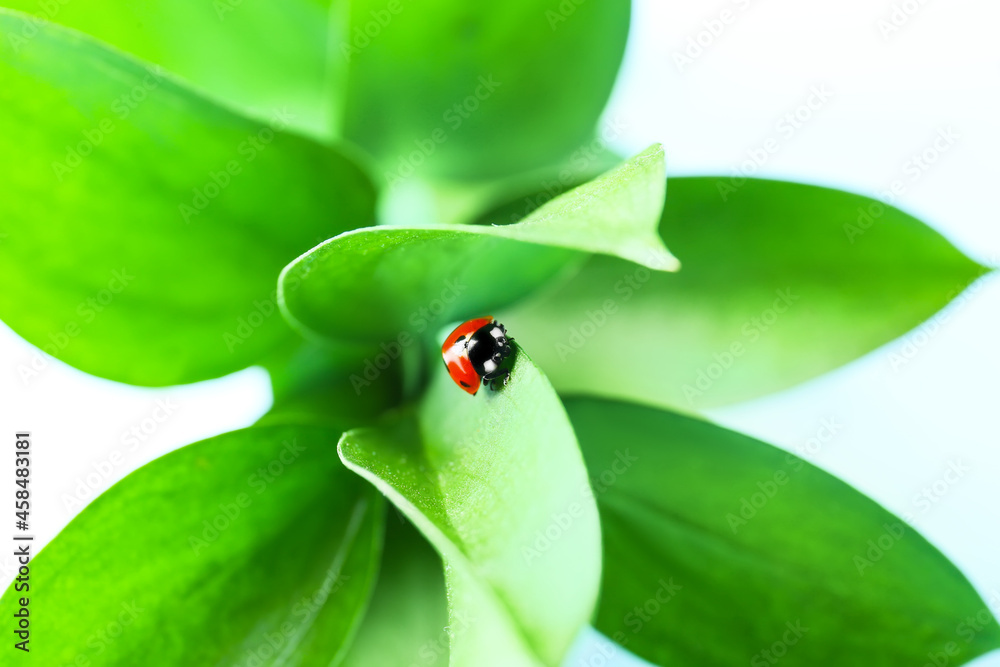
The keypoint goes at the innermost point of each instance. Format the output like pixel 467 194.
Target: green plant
pixel 224 200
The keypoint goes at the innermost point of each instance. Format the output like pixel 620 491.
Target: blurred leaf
pixel 387 282
pixel 256 546
pixel 504 207
pixel 330 384
pixel 777 287
pixel 145 225
pixel 253 55
pixel 406 622
pixel 478 90
pixel 422 203
pixel 722 550
pixel 495 482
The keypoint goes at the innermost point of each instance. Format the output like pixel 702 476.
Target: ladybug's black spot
pixel 464 384
pixel 460 338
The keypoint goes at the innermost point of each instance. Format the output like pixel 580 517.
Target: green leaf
pixel 406 622
pixel 145 225
pixel 719 548
pixel 253 543
pixel 385 282
pixel 496 483
pixel 253 55
pixel 493 201
pixel 777 287
pixel 330 384
pixel 469 91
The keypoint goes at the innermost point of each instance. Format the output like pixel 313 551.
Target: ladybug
pixel 474 351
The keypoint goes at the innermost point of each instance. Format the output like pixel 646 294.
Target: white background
pixel 891 94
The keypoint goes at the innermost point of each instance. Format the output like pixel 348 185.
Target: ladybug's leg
pixel 494 380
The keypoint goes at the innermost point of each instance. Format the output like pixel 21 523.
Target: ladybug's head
pixel 488 347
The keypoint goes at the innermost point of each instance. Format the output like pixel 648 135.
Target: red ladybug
pixel 474 351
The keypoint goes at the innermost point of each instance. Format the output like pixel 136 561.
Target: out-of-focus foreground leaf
pixel 496 483
pixel 329 384
pixel 781 282
pixel 254 55
pixel 145 226
pixel 477 90
pixel 722 550
pixel 407 621
pixel 253 547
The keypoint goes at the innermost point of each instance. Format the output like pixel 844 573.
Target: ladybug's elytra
pixel 474 351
